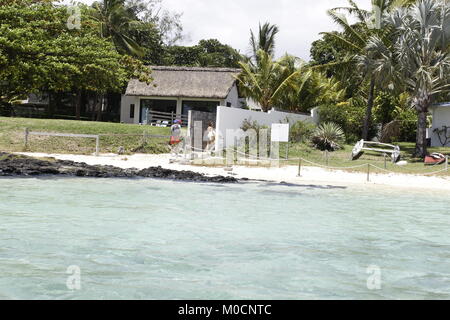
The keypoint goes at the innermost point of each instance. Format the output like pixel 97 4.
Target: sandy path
pixel 287 174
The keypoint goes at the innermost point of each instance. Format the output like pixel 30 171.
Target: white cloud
pixel 230 21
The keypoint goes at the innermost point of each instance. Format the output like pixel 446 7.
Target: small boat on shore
pixel 434 159
pixel 373 146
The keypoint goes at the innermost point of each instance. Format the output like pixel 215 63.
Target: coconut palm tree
pixel 265 40
pixel 117 22
pixel 268 82
pixel 420 62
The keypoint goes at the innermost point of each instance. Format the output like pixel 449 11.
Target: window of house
pixel 204 106
pixel 229 104
pixel 132 111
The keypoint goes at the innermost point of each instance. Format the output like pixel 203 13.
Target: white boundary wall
pixel 232 119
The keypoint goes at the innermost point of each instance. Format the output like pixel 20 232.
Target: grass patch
pixel 12 136
pixel 341 159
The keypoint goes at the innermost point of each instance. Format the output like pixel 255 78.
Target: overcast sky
pixel 230 21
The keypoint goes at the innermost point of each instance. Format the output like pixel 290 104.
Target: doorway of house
pixel 156 105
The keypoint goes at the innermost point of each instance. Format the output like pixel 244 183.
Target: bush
pixel 403 128
pixel 350 117
pixel 328 136
pixel 301 131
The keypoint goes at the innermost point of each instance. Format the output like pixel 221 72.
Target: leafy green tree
pixel 207 53
pixel 39 53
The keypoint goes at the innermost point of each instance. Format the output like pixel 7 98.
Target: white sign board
pixel 280 132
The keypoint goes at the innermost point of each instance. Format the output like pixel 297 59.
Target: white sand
pixel 287 173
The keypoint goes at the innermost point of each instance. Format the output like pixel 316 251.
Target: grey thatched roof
pixel 188 82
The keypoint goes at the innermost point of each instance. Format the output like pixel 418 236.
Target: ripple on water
pixel 148 239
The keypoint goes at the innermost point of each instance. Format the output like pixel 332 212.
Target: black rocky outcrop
pixel 18 165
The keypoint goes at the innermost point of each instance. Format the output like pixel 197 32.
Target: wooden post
pixel 97 146
pixel 446 163
pixel 326 157
pixel 385 161
pixel 299 167
pixel 26 138
pixel 368 172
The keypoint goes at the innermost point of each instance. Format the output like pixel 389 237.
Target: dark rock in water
pixel 18 165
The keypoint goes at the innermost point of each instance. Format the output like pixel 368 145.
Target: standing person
pixel 210 137
pixel 175 137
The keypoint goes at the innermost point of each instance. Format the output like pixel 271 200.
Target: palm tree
pixel 265 40
pixel 117 22
pixel 420 62
pixel 268 82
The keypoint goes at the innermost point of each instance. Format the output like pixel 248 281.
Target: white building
pixel 178 90
pixel 440 132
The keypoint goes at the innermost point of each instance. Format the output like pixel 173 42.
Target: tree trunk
pixel 368 117
pixel 422 103
pixel 78 105
pixel 53 99
pixel 100 108
pixel 421 140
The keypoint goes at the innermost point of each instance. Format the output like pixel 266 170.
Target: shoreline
pixel 286 174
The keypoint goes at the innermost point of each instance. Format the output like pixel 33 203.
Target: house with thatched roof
pixel 178 90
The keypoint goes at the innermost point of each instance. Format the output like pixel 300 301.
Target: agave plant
pixel 328 136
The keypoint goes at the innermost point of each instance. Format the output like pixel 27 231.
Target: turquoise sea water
pixel 149 239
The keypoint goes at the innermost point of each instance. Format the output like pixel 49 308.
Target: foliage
pixel 248 125
pixel 269 82
pixel 208 53
pixel 301 131
pixel 328 136
pixel 419 61
pixel 152 13
pixel 349 116
pixel 265 40
pixel 116 22
pixel 384 106
pixel 38 52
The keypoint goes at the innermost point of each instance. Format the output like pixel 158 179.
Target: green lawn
pixel 12 136
pixel 12 140
pixel 341 158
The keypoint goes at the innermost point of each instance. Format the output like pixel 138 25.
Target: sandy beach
pixel 286 174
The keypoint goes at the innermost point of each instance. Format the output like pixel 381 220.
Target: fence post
pixel 97 146
pixel 326 157
pixel 26 137
pixel 385 161
pixel 299 167
pixel 368 172
pixel 446 163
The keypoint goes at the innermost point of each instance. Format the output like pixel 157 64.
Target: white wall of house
pixel 232 119
pixel 233 98
pixel 125 105
pixel 441 117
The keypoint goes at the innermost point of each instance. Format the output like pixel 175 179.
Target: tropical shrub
pixel 349 116
pixel 301 131
pixel 328 136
